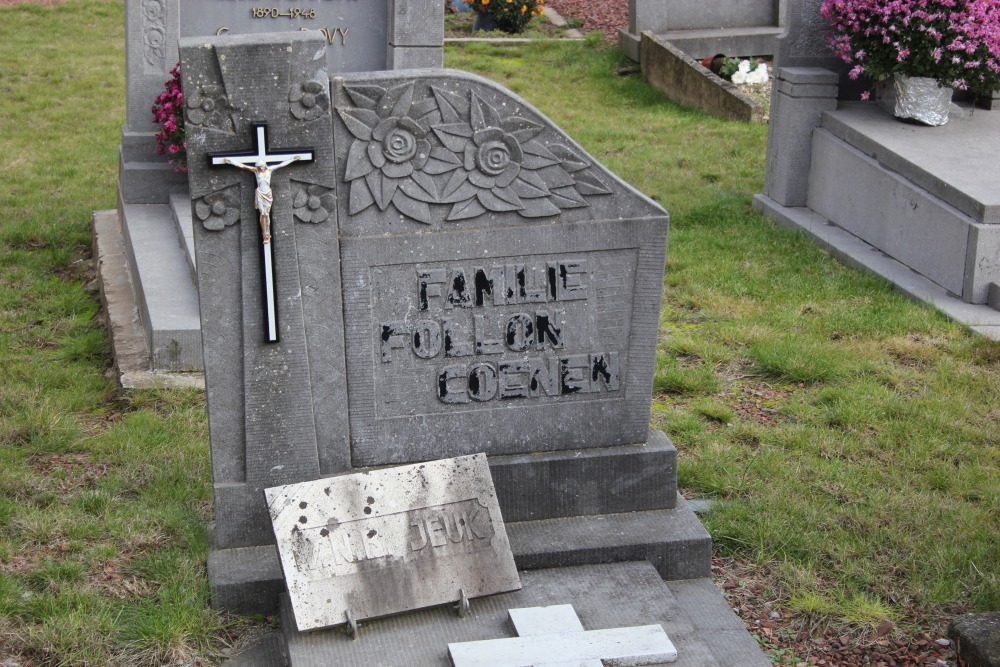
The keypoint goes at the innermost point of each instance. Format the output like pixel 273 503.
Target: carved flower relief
pixel 391 148
pixel 219 209
pixel 308 100
pixel 208 106
pixel 312 203
pixel 456 149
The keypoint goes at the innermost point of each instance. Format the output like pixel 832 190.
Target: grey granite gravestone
pixel 361 35
pixel 453 275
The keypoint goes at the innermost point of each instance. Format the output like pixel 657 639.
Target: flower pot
pixel 915 98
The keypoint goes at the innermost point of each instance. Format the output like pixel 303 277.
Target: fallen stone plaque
pixel 387 541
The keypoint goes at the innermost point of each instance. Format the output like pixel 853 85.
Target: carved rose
pixel 391 148
pixel 219 209
pixel 456 149
pixel 308 100
pixel 208 106
pixel 313 203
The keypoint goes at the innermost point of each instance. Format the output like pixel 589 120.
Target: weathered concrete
pixel 684 81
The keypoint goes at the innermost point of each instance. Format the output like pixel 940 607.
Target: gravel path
pixel 606 16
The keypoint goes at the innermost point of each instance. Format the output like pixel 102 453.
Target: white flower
pixel 745 66
pixel 739 77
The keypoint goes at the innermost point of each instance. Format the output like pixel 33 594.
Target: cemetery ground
pixel 847 438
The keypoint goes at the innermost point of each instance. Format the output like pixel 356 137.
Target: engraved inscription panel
pixel 355 30
pixel 502 341
pixel 476 335
pixel 391 540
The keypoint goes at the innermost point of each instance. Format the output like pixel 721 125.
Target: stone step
pixel 743 42
pixel 703 42
pixel 693 613
pixel 248 580
pixel 924 196
pixel 180 209
pixel 165 292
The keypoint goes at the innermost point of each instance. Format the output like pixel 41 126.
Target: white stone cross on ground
pixel 263 164
pixel 553 637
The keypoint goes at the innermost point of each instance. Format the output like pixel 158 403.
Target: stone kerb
pixel 683 80
pixel 504 288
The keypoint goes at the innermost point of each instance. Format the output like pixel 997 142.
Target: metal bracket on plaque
pixel 351 627
pixel 462 606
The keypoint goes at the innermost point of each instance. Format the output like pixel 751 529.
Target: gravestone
pixel 361 35
pixel 916 207
pixel 452 275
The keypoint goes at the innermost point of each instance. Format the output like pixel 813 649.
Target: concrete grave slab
pixel 702 627
pixel 391 540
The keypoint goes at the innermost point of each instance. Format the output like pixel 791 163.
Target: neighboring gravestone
pixel 153 209
pixel 362 34
pixel 386 541
pixel 452 275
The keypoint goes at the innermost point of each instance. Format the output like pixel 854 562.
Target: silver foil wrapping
pixel 918 98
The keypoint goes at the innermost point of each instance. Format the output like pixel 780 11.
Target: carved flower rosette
pixel 456 150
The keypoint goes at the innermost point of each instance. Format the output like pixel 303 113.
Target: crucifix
pixel 263 164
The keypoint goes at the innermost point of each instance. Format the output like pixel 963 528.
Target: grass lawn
pixel 848 436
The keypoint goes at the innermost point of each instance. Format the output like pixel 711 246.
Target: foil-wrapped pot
pixel 917 98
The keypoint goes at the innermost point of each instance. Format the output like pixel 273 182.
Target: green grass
pixel 851 435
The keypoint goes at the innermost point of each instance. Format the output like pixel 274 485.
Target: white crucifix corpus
pixel 263 164
pixel 553 637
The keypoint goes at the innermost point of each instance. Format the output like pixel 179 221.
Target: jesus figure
pixel 264 197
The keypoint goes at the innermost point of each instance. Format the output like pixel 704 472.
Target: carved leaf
pixel 568 198
pixel 508 195
pixel 533 179
pixel 495 203
pixel 441 161
pixel 555 177
pixel 359 122
pixel 571 162
pixel 537 156
pixel 483 115
pixel 453 107
pixel 454 135
pixel 458 188
pixel 522 128
pixel 358 162
pixel 361 197
pixel 423 107
pixel 470 208
pixel 538 208
pixel 396 101
pixel 527 190
pixel 365 97
pixel 382 188
pixel 421 187
pixel 412 208
pixel 589 183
